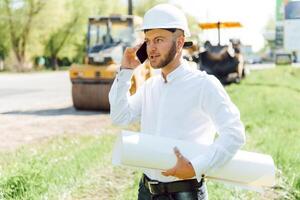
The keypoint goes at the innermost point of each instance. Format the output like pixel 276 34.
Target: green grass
pixel 269 102
pixel 51 167
pixel 79 167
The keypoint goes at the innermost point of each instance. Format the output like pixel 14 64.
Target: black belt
pixel 159 188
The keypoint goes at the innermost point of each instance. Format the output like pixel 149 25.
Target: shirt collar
pixel 179 71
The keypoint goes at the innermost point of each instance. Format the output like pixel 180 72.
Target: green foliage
pixel 140 7
pixel 45 28
pixel 58 39
pixel 33 24
pixel 19 18
pixel 34 28
pixel 3 39
pixel 4 42
pixel 80 49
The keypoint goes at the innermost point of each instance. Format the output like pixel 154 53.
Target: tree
pixel 140 7
pixel 20 16
pixel 269 36
pixel 4 44
pixel 58 39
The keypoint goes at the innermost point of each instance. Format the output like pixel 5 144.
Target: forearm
pixel 118 98
pixel 231 139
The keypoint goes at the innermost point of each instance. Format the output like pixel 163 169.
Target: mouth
pixel 154 57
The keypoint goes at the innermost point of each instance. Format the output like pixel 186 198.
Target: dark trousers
pixel 198 194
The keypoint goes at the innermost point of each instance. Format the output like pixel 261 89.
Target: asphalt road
pixel 34 91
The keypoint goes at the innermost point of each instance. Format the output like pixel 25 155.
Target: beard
pixel 166 60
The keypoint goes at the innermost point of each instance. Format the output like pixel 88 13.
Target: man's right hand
pixel 129 59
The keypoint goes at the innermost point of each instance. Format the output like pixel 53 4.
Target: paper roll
pixel 248 169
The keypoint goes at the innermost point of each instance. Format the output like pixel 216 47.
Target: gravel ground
pixel 39 105
pixel 17 128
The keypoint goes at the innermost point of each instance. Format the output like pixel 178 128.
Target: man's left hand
pixel 183 168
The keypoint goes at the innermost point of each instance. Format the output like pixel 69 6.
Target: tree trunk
pixel 54 62
pixel 20 60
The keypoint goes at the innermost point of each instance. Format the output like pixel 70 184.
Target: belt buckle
pixel 150 183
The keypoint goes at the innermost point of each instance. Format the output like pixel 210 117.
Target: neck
pixel 176 62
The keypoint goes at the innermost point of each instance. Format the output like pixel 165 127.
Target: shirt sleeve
pixel 225 117
pixel 124 108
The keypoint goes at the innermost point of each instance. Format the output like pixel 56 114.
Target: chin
pixel 156 66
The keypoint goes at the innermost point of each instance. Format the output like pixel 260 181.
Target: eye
pixel 158 40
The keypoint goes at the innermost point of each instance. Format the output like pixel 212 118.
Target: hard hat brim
pixel 186 32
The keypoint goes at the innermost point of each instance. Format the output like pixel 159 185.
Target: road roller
pixel 223 61
pixel 107 38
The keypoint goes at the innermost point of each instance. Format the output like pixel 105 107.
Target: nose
pixel 151 47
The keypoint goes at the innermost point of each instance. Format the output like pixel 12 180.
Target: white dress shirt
pixel 189 105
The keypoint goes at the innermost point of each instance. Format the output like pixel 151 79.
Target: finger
pixel 133 49
pixel 177 153
pixel 169 172
pixel 136 47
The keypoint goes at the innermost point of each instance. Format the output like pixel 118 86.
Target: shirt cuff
pixel 124 75
pixel 200 165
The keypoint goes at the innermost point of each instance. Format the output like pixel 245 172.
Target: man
pixel 180 103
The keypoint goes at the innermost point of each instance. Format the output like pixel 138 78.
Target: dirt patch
pixel 22 127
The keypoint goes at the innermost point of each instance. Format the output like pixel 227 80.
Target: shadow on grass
pixel 273 85
pixel 56 112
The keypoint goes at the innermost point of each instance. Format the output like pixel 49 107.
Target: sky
pixel 253 14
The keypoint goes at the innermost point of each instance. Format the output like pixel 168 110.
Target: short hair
pixel 167 29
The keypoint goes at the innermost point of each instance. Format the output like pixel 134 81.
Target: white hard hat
pixel 165 16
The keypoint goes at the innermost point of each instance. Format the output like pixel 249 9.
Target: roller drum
pixel 91 96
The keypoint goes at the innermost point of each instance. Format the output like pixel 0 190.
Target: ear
pixel 180 42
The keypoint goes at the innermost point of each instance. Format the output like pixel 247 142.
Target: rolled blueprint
pixel 247 169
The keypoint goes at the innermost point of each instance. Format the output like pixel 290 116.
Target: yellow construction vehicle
pixel 107 38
